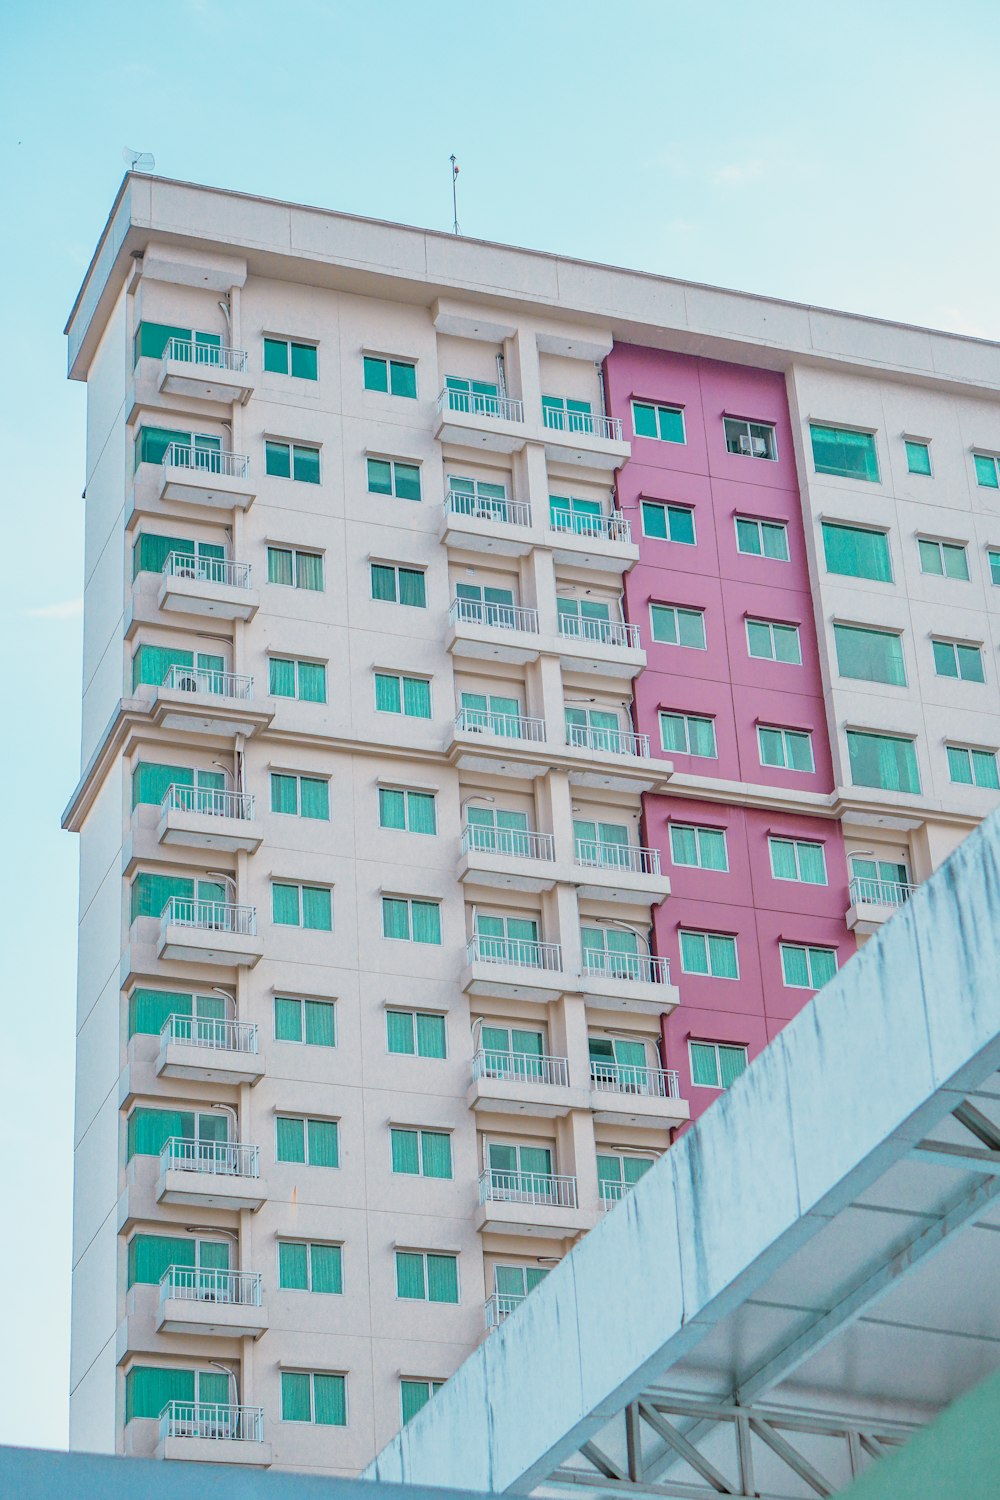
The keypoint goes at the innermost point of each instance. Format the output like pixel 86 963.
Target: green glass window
pixel 398 585
pixel 711 953
pixel 665 423
pixel 294 568
pixel 994 561
pixel 788 749
pixel 870 655
pixel 388 476
pixel 414 1396
pixel 677 626
pixel 771 641
pixel 883 760
pixel 715 1065
pixel 945 559
pixel 200 450
pixel 150 893
pixel 286 357
pixel 307 1266
pixel 410 696
pixel 148 1130
pixel 424 1276
pixel 149 1389
pixel 394 377
pixel 839 450
pixel 959 659
pixel 702 848
pixel 986 471
pixel 301 796
pixel 305 680
pixel 856 552
pixel 312 1143
pixel 149 1010
pixel 292 461
pixel 150 553
pixel 415 1033
pixel 918 456
pixel 688 734
pixel 150 781
pixel 310 1021
pixel 668 523
pixel 302 906
pixel 762 538
pixel 797 859
pixel 970 767
pixel 314 1397
pixel 807 968
pixel 750 439
pixel 565 415
pixel 411 921
pixel 401 808
pixel 421 1153
pixel 151 339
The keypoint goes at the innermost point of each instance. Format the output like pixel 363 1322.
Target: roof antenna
pixel 138 161
pixel 454 191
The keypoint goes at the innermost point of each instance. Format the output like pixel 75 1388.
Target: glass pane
pixel 712 842
pixel 772 749
pixel 276 356
pixel 379 476
pixel 405 1151
pixel 410 1275
pixel 403 379
pixel 278 460
pixel 323 1144
pixel 399 1031
pixel 701 734
pixel 383 583
pixel 327 1268
pixel 395 918
pixel 304 361
pixel 694 953
pixel 857 553
pixel 150 781
pixel 671 424
pixel 841 451
pixel 882 761
pixel 775 541
pixel 148 1390
pixel 426 917
pixel 287 1019
pixel 732 1062
pixel 930 556
pixel 314 798
pixel 284 793
pixel 794 966
pixel 391 808
pixel 416 698
pixel 387 697
pixel 823 962
pixel 376 374
pixel 654 520
pixel 430 1036
pixel 309 571
pixel 412 589
pixel 986 472
pixel 149 1255
pixel 644 419
pixel 317 908
pixel 748 537
pixel 296 1404
pixel 285 905
pixel 312 682
pixel 436 1153
pixel 812 866
pixel 798 748
pixel 704 1068
pixel 918 458
pixel 329 1398
pixel 984 768
pixel 722 957
pixel 320 1028
pixel 281 677
pixel 442 1278
pixel 786 645
pixel 420 807
pixel 148 1009
pixel 293 1267
pixel 407 482
pixel 759 639
pixel 783 866
pixel 956 562
pixel 414 1396
pixel 151 339
pixel 291 1139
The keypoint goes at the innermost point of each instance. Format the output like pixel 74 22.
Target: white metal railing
pixel 524 952
pixel 543 1188
pixel 233 575
pixel 600 632
pixel 211 356
pixel 500 1306
pixel 181 1153
pixel 489 508
pixel 202 1284
pixel 612 741
pixel 520 1067
pixel 501 616
pixel 208 680
pixel 204 1031
pixel 212 1419
pixel 590 423
pixel 210 916
pixel 520 843
pixel 629 1078
pixel 471 403
pixel 508 726
pixel 212 801
pixel 613 1192
pixel 206 460
pixel 613 528
pixel 879 892
pixel 631 857
pixel 640 968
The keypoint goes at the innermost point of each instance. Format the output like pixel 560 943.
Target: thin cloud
pixel 738 174
pixel 66 609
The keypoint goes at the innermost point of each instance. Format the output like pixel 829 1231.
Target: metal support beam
pixel 964 1158
pixel 791 1456
pixel 687 1451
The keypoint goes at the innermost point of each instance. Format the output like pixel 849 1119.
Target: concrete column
pixel 535 482
pixel 574 1042
pixel 520 357
pixel 547 675
pixel 539 576
pixel 562 924
pixel 578 1155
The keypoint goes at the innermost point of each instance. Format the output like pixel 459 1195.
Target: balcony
pixel 205 372
pixel 209 702
pixel 612 1193
pixel 209 1051
pixel 498 743
pixel 627 873
pixel 479 523
pixel 874 902
pixel 208 477
pixel 530 1203
pixel 626 1095
pixel 500 1306
pixel 636 982
pixel 211 586
pixel 209 1174
pixel 512 1083
pixel 209 932
pixel 480 421
pixel 579 437
pixel 202 818
pixel 223 1304
pixel 507 858
pixel 505 632
pixel 609 648
pixel 513 969
pixel 207 1432
pixel 607 741
pixel 602 542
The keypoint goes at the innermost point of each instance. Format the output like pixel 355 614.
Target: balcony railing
pixel 520 1067
pixel 219 1035
pixel 232 575
pixel 625 1078
pixel 613 1192
pixel 639 968
pixel 591 424
pixel 542 1188
pixel 879 892
pixel 518 843
pixel 191 1284
pixel 206 460
pixel 209 356
pixel 507 726
pixel 182 1153
pixel 212 801
pixel 500 1306
pixel 211 1419
pixel 613 528
pixel 500 616
pixel 489 508
pixel 210 916
pixel 496 408
pixel 600 632
pixel 608 741
pixel 207 680
pixel 631 857
pixel 522 952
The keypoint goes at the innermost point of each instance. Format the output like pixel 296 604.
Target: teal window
pixel 945 559
pixel 398 585
pixel 474 497
pixel 771 641
pixel 308 1142
pixel 415 1033
pixel 300 796
pixel 617 1174
pixel 986 471
pixel 152 664
pixel 700 848
pixel 289 678
pixel 389 476
pixel 150 1255
pixel 583 517
pixel 960 659
pixel 918 456
pixel 676 626
pixel 420 1153
pixel 839 450
pixel 414 1396
pixel 665 423
pixel 314 1397
pixel 668 523
pixel 804 968
pixel 411 921
pixel 513 1283
pixel 481 397
pixel 494 713
pixel 196 450
pixel 292 461
pixel 971 767
pixel 857 552
pixel 150 553
pixel 750 439
pixel 526 1169
pixel 151 340
pixel 507 940
pixel 565 415
pixel 594 727
pixel 715 1065
pixel 410 696
pixel 295 569
pixel 149 1388
pixel 422 1276
pixel 148 1130
pixel 310 1266
pixel 870 655
pixel 394 377
pixel 883 760
pixel 599 843
pixel 302 906
pixel 150 893
pixel 710 953
pixel 149 1010
pixel 287 357
pixel 762 538
pixel 789 749
pixel 313 1022
pixel 994 560
pixel 797 859
pixel 414 812
pixel 688 734
pixel 150 782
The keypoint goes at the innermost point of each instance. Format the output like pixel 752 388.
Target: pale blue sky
pixel 844 155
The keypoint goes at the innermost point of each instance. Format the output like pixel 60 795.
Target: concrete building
pixel 374 1011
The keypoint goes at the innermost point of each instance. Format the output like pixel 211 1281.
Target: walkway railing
pixel 232 575
pixel 613 528
pixel 542 1188
pixel 640 968
pixel 519 843
pixel 471 403
pixel 600 632
pixel 212 356
pixel 879 892
pixel 212 801
pixel 206 460
pixel 489 508
pixel 626 1078
pixel 631 857
pixel 611 741
pixel 210 916
pixel 521 952
pixel 219 1035
pixel 201 1284
pixel 211 1419
pixel 181 1153
pixel 500 616
pixel 208 680
pixel 521 1067
pixel 500 1306
pixel 507 726
pixel 590 423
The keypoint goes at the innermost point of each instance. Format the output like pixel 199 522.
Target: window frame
pixel 290 344
pixel 295 553
pixel 916 442
pixel 697 829
pixel 940 543
pixel 282 1239
pixel 771 626
pixel 854 526
pixel 984 455
pixel 706 933
pixel 667 506
pixel 401 678
pixel 298 777
pixel 796 844
pixel 390 361
pixel 956 646
pixel 409 902
pixel 719 1087
pixel 300 886
pixel 760 522
pixel 693 611
pixel 414 1015
pixel 851 476
pixel 681 714
pixel 392 493
pixel 311 1421
pixel 406 792
pixel 307 1120
pixel 399 1250
pixel 396 569
pixel 296 662
pixel 970 751
pixel 657 408
pixel 302 1001
pixel 293 448
pixel 784 730
pixel 808 949
pixel 420 1131
pixel 852 731
pixel 749 422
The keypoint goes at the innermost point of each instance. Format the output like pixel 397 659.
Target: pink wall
pixel 738 691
